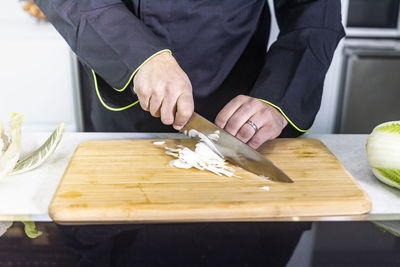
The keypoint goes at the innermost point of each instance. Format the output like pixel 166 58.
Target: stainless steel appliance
pixel 373 18
pixel 370 90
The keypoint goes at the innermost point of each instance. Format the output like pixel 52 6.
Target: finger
pixel 144 103
pixel 246 132
pixel 144 99
pixel 230 108
pixel 240 117
pixel 168 109
pixel 155 105
pixel 185 108
pixel 261 136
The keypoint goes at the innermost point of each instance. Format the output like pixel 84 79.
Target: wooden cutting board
pixel 131 181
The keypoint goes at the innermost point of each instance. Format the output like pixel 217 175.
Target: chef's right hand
pixel 164 89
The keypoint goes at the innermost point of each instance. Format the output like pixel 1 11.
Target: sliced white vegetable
pixel 206 152
pixel 159 142
pixel 204 138
pixel 202 158
pixel 40 155
pixel 176 155
pixel 265 188
pixel 214 136
pixel 383 151
pixel 179 164
pixel 11 154
pixel 172 149
pixel 265 177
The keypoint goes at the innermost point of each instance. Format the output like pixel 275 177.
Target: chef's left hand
pixel 234 118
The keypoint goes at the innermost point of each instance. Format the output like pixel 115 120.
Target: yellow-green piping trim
pixel 286 117
pixel 104 104
pixel 138 68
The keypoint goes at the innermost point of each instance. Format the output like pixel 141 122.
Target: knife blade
pixel 235 151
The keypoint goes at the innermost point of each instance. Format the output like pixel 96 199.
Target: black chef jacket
pixel 220 44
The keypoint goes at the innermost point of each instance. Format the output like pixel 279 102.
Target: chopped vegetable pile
pixel 204 157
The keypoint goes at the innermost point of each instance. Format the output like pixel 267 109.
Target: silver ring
pixel 252 124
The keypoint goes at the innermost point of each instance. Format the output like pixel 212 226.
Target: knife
pixel 235 151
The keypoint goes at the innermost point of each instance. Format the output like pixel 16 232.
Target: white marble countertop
pixel 27 196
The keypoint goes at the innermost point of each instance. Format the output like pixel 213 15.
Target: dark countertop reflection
pixel 16 249
pixel 203 244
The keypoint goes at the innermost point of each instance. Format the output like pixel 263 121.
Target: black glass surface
pixel 373 13
pixel 202 244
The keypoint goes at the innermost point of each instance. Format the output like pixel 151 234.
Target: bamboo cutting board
pixel 131 181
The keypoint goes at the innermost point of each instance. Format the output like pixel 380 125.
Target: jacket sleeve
pixel 293 76
pixel 106 37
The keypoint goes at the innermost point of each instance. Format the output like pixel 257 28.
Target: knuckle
pixel 277 131
pixel 284 123
pixel 240 97
pixel 255 102
pixel 248 107
pixel 266 113
pixel 186 113
pixel 170 88
pixel 219 120
pixel 256 141
pixel 270 125
pixel 156 94
pixel 232 126
pixel 245 133
pixel 170 91
pixel 259 139
pixel 157 91
pixel 144 99
pixel 276 134
pixel 188 86
pixel 143 93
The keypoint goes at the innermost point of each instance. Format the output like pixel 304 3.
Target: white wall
pixel 36 77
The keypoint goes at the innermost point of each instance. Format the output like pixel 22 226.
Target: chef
pixel 208 56
pixel 150 64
